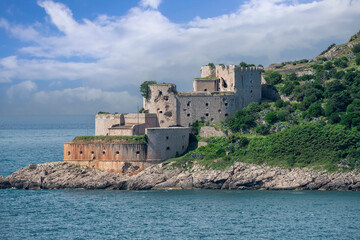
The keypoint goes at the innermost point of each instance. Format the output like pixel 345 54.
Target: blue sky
pixel 81 57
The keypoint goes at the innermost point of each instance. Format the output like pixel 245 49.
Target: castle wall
pixel 205 107
pixel 207 72
pixel 206 85
pixel 165 143
pixel 163 102
pixel 104 121
pixel 121 158
pixel 247 85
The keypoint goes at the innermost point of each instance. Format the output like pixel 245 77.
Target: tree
pixel 145 90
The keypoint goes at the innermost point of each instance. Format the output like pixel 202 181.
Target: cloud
pixel 21 90
pixel 118 52
pixel 81 100
pixel 150 3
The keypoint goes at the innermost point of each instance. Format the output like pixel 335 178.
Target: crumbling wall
pixel 205 107
pixel 163 102
pixel 165 143
pixel 208 131
pixel 206 85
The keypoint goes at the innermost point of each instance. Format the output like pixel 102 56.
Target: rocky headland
pixel 59 175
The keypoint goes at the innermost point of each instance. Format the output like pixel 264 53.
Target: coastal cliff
pixel 59 175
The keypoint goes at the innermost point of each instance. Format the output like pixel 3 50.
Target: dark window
pixel 160 92
pixel 205 89
pixel 104 152
pixel 162 121
pixel 188 114
pixel 206 114
pixel 189 104
pixel 137 152
pixel 226 114
pixel 160 111
pixel 183 147
pixel 226 104
pixel 206 104
pixel 219 110
pixel 92 152
pixel 251 91
pixel 212 119
pixel 167 148
pixel 166 98
pixel 80 152
pixel 117 152
pixel 167 137
pixel 68 152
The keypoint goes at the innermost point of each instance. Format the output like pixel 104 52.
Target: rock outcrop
pixel 59 175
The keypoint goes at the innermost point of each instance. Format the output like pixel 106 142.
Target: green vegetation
pixel 318 127
pixel 211 65
pixel 145 90
pixel 317 145
pixel 272 78
pixel 109 139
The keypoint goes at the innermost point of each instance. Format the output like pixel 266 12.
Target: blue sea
pixel 167 214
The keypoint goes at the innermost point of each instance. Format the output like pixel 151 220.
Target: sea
pixel 160 214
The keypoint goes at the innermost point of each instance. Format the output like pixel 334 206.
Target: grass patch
pixel 110 139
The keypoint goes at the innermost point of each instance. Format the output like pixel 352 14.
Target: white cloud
pixel 21 90
pixel 150 3
pixel 113 52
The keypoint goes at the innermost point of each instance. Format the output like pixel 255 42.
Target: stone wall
pixel 165 143
pixel 104 121
pixel 124 124
pixel 205 107
pixel 247 85
pixel 163 102
pixel 121 158
pixel 206 85
pixel 208 131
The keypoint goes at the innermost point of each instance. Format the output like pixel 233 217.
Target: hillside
pixel 316 125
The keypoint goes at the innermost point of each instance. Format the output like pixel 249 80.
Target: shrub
pixel 240 121
pixel 356 48
pixel 357 60
pixel 145 90
pixel 271 117
pixel 272 78
pixel 279 103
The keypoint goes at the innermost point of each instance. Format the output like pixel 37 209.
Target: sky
pixel 81 57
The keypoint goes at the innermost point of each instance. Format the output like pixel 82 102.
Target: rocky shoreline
pixel 59 175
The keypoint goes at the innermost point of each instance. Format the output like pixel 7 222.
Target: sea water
pixel 167 214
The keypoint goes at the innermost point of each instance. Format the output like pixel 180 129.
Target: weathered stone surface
pixel 59 175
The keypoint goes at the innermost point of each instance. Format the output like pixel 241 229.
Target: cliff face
pixel 58 175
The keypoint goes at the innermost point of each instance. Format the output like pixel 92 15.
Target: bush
pixel 240 121
pixel 356 49
pixel 315 110
pixel 271 117
pixel 357 60
pixel 279 103
pixel 272 78
pixel 145 90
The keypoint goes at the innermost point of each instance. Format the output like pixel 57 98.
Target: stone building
pixel 217 94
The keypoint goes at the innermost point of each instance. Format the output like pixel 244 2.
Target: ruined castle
pixel 216 95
